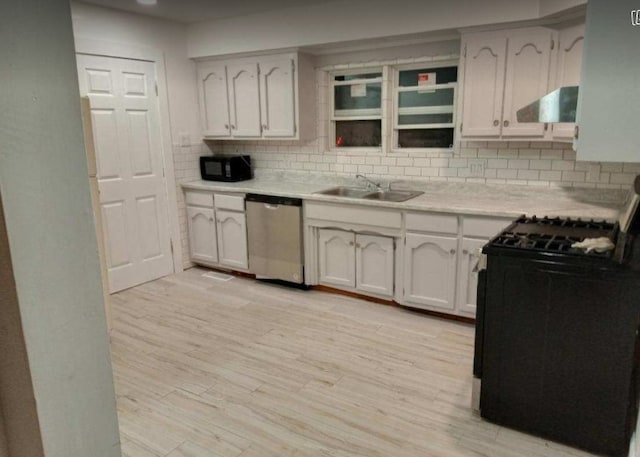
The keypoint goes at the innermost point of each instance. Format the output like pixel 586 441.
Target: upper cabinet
pixel 609 96
pixel 502 72
pixel 257 98
pixel 569 61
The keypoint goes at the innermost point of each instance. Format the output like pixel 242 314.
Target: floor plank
pixel 241 368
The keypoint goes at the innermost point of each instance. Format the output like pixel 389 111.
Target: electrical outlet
pixel 476 168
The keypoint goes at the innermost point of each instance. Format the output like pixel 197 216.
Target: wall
pixel 45 192
pixel 19 427
pixel 105 24
pixel 347 20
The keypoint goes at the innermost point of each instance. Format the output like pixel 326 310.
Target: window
pixel 424 102
pixel 357 109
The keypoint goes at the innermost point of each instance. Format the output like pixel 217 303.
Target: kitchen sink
pixel 342 191
pixel 393 195
pixel 382 195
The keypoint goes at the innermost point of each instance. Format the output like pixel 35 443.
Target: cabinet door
pixel 277 98
pixel 232 239
pixel 527 79
pixel 374 264
pixel 214 101
pixel 570 46
pixel 468 276
pixel 484 68
pixel 336 256
pixel 430 270
pixel 202 234
pixel 245 100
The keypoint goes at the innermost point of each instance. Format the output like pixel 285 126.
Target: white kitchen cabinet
pixel 244 99
pixel 430 271
pixel 277 101
pixel 570 48
pixel 268 97
pixel 231 228
pixel 374 264
pixel 336 258
pixel 503 72
pixel 468 275
pixel 202 235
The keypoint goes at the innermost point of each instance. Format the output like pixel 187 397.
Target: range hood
pixel 557 106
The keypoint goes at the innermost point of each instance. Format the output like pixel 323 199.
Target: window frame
pixel 332 118
pixel 395 109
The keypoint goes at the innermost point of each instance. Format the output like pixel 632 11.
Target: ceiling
pixel 189 11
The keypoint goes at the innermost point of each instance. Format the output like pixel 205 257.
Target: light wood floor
pixel 206 368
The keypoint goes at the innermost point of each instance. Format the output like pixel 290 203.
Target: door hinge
pixel 461 124
pixel 156 88
pixel 464 53
pixel 171 246
pixel 553 44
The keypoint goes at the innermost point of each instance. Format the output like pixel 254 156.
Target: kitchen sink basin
pixel 393 195
pixel 342 191
pixel 382 195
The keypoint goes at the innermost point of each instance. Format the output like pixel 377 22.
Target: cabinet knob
pixel 351 243
pixel 211 219
pixel 264 127
pixel 358 245
pixel 506 123
pixel 465 251
pixel 233 127
pixel 453 251
pixel 496 123
pixel 226 126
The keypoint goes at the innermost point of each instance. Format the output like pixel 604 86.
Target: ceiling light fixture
pixel 147 2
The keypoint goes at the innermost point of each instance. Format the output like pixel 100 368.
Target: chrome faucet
pixel 370 183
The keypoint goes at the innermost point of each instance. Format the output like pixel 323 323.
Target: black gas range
pixel 557 329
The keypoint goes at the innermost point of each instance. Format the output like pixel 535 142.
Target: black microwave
pixel 225 168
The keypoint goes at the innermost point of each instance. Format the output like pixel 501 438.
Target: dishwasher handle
pixel 273 200
pixel 271 206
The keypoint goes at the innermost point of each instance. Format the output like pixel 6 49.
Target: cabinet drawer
pixel 432 222
pixel 195 198
pixel 483 227
pixel 354 214
pixel 229 202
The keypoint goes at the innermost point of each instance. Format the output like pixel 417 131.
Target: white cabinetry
pixel 430 270
pixel 202 234
pixel 232 239
pixel 354 261
pixel 217 233
pixel 336 258
pixel 257 97
pixel 504 71
pixel 570 48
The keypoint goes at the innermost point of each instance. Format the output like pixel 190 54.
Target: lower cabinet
pixel 354 261
pixel 202 234
pixel 232 239
pixel 217 230
pixel 430 270
pixel 468 274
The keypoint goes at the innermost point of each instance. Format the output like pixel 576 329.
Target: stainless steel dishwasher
pixel 274 226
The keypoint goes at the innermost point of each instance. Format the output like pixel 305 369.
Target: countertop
pixel 445 197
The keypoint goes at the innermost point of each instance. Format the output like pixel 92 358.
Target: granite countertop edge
pixel 470 199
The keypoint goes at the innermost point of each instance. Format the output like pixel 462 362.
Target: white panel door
pixel 527 79
pixel 468 275
pixel 232 239
pixel 126 130
pixel 570 47
pixel 484 68
pixel 244 98
pixel 203 244
pixel 336 256
pixel 430 270
pixel 374 264
pixel 277 102
pixel 214 100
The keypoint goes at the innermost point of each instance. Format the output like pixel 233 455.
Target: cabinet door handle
pixel 576 132
pixel 496 123
pixel 506 123
pixel 453 251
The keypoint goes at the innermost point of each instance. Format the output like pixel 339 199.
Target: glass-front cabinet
pixel 424 107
